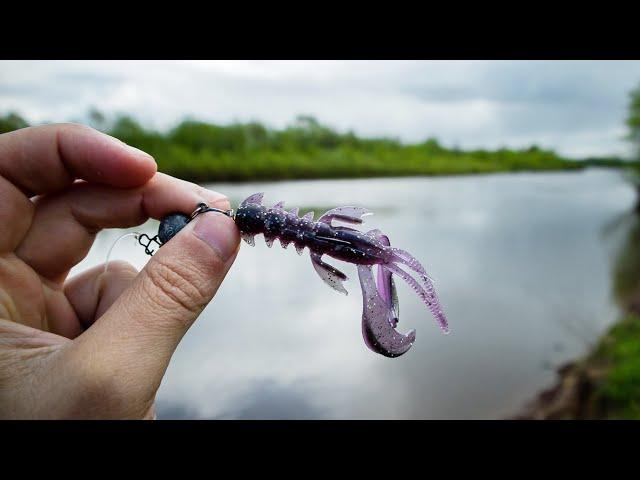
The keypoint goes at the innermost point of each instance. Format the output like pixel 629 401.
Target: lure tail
pixel 381 311
pixel 379 318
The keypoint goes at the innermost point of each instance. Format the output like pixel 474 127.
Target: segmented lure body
pixel 322 237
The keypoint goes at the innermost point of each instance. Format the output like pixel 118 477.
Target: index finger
pixel 47 158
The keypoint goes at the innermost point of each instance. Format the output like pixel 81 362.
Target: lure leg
pixel 407 259
pixel 410 261
pixel 248 237
pixel 377 320
pixel 255 198
pixel 429 298
pixel 331 275
pixel 345 214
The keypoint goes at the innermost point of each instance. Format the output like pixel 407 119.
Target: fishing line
pixel 131 234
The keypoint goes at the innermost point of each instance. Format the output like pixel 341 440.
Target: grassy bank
pixel 201 152
pixel 617 391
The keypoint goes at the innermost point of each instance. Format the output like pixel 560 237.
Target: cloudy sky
pixel 576 107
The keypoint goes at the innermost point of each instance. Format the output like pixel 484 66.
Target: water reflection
pixel 521 265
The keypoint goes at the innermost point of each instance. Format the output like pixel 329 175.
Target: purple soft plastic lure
pixel 380 310
pixel 380 301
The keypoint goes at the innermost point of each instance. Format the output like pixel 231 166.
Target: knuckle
pixel 179 285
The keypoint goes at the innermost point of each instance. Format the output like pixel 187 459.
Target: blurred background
pixel 514 182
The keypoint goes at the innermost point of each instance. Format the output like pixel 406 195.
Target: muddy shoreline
pixel 576 395
pixel 571 398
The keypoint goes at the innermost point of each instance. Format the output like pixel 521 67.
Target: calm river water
pixel 522 264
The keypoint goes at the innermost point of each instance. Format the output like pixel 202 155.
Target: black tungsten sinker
pixel 170 225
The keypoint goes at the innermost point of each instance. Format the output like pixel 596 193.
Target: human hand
pixel 97 345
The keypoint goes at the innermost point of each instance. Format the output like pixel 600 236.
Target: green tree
pixel 633 120
pixel 432 145
pixel 12 121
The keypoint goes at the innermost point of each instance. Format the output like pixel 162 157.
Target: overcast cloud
pixel 575 107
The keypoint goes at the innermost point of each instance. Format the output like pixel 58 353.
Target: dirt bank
pixel 603 385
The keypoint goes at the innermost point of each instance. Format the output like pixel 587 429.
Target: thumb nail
pixel 217 230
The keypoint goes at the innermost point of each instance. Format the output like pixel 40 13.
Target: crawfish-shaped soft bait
pixel 380 301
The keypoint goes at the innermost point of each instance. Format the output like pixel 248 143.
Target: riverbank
pixel 604 384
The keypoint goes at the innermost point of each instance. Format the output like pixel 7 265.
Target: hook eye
pixel 203 207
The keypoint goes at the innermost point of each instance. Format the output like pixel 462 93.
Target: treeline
pixel 202 152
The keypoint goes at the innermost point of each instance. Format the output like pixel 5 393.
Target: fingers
pixel 134 340
pixel 93 291
pixel 39 160
pixel 43 159
pixel 64 224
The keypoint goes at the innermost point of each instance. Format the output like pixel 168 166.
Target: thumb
pixel 135 338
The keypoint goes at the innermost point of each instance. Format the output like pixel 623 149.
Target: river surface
pixel 522 264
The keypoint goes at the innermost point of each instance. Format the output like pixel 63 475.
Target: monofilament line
pixel 132 234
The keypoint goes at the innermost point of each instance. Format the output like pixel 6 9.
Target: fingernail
pixel 217 230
